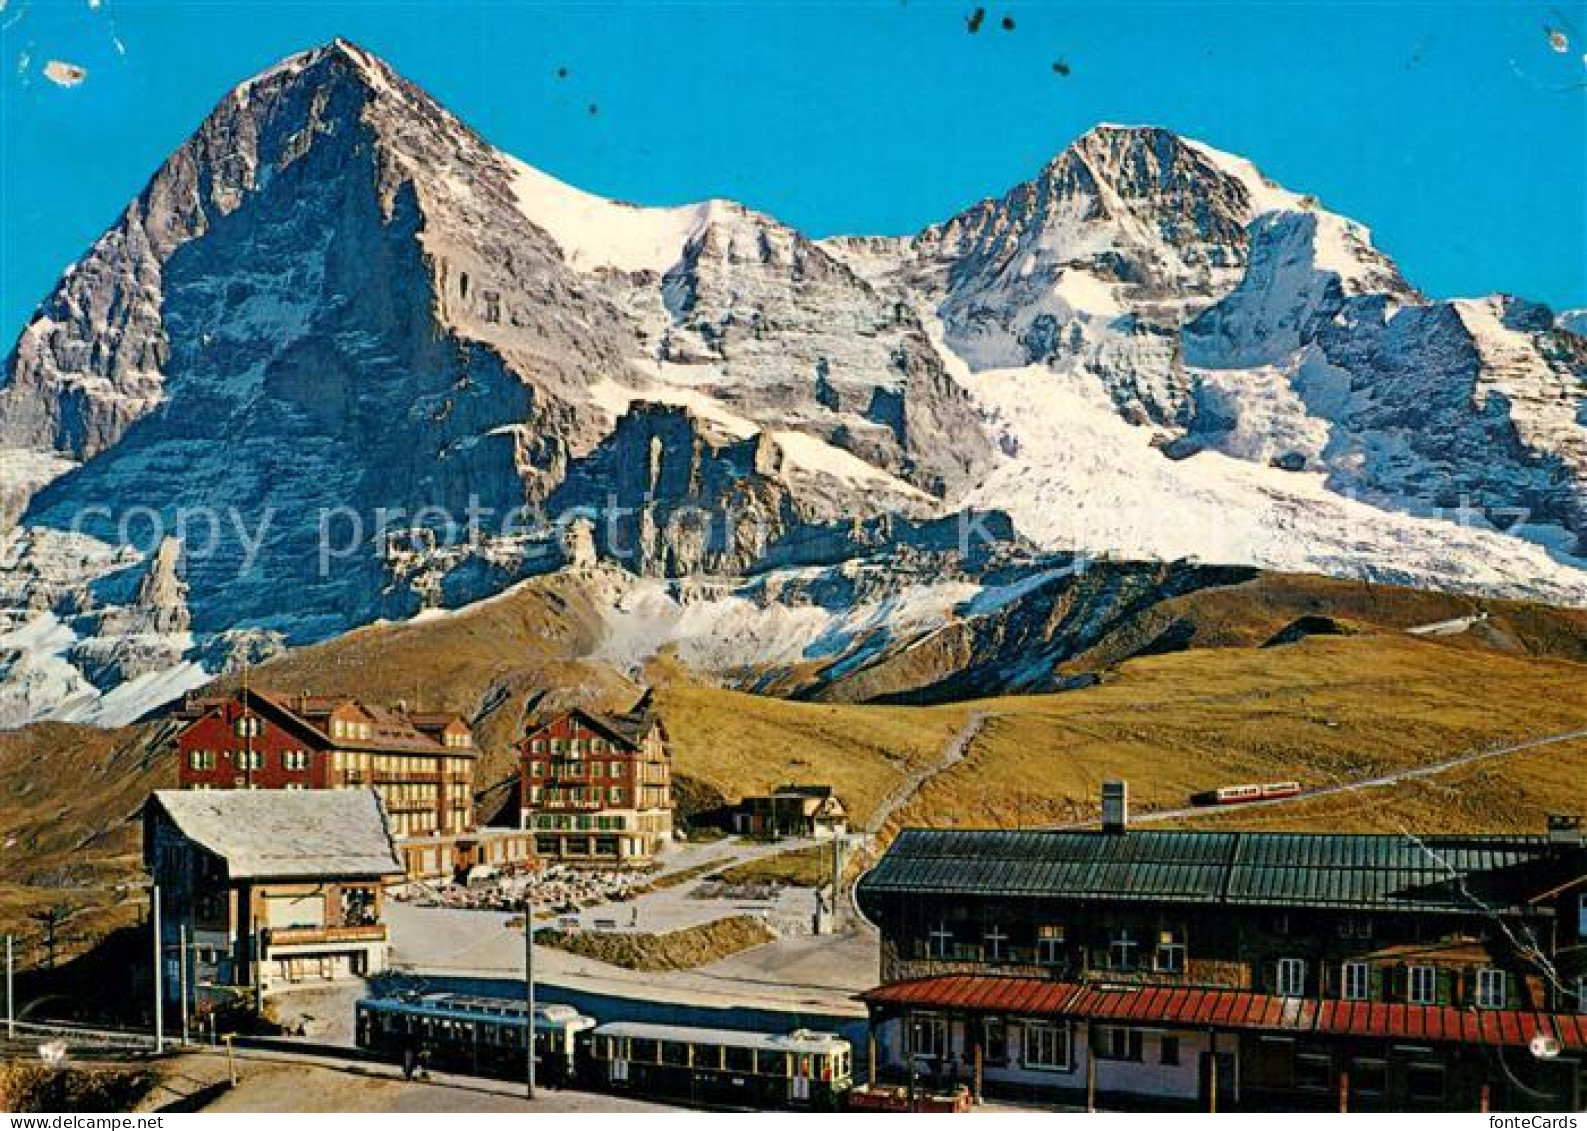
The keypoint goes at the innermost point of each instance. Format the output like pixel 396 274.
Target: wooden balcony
pixel 301 936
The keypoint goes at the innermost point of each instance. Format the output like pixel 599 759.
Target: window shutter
pixel 1270 976
pixel 1443 985
pixel 1375 983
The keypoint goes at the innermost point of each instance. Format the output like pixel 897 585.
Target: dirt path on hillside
pixel 953 752
pixel 1411 773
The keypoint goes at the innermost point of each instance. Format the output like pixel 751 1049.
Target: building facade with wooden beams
pixel 1265 971
pixel 422 765
pixel 792 810
pixel 597 787
pixel 262 889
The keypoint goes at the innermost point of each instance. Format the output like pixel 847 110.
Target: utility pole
pixel 182 977
pixel 529 989
pixel 255 945
pixel 837 875
pixel 159 971
pixel 11 1013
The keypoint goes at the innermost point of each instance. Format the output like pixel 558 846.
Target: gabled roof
pixel 285 834
pixel 628 729
pixel 816 792
pixel 1367 872
pixel 390 731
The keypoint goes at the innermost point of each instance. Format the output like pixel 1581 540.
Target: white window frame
pixel 1110 1038
pixel 941 1040
pixel 1173 956
pixel 1355 981
pixel 1421 985
pixel 1122 949
pixel 1050 940
pixel 1291 977
pixel 1045 1047
pixel 940 941
pixel 994 943
pixel 1492 988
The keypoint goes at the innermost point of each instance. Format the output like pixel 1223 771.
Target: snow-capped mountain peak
pixel 337 296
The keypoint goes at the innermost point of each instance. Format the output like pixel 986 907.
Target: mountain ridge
pixel 337 296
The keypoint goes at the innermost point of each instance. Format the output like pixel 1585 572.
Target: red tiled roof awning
pixel 1227 1009
pixel 1024 996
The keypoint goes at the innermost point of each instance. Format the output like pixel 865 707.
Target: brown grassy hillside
pixel 1325 710
pixel 68 799
pixel 1253 612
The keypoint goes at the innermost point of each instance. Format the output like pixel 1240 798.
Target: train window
pixel 675 1052
pixel 708 1056
pixel 642 1049
pixel 740 1059
pixel 769 1063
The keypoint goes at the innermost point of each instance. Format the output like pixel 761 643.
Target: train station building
pixel 1236 970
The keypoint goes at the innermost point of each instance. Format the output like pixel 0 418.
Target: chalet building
pixel 269 889
pixel 422 765
pixel 596 787
pixel 792 810
pixel 1235 970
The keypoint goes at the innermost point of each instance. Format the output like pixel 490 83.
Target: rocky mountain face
pixel 338 325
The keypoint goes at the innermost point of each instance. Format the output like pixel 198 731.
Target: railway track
pixel 1379 781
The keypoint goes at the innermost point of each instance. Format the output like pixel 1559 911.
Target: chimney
pixel 1115 806
pixel 1564 831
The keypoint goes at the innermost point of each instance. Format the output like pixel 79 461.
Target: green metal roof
pixel 1379 872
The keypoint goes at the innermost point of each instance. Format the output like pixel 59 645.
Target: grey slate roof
pixel 1375 872
pixel 284 834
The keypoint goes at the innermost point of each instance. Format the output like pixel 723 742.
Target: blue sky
pixel 1454 130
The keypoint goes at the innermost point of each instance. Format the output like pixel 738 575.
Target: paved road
pixel 1425 770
